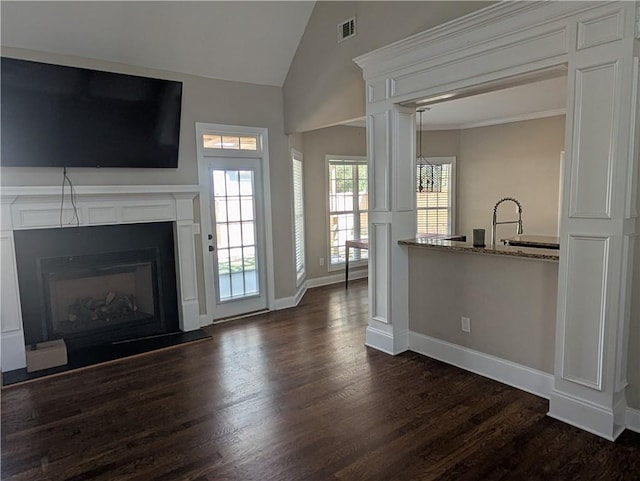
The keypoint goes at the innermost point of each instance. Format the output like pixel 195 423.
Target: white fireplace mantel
pixel 38 207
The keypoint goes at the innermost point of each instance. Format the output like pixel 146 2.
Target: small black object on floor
pixel 110 352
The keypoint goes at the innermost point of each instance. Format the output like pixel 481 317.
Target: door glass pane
pixel 219 183
pixel 247 208
pixel 248 236
pixel 236 266
pixel 210 141
pixel 248 143
pixel 235 235
pixel 230 142
pixel 233 209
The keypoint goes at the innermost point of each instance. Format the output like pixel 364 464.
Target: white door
pixel 236 247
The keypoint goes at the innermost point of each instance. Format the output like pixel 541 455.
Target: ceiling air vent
pixel 347 29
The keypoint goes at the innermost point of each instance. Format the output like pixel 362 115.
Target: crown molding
pixel 466 24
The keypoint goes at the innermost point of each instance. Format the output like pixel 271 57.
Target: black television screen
pixel 57 116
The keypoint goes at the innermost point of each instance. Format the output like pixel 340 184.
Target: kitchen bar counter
pixel 551 255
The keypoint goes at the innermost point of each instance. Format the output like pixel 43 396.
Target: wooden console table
pixel 352 244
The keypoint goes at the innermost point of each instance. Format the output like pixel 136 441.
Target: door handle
pixel 210 248
pixel 210 236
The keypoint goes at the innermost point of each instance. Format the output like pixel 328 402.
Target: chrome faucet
pixel 495 222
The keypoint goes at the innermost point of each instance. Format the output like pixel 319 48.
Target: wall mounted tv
pixel 57 116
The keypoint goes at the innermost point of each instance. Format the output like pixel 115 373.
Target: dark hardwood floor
pixel 293 395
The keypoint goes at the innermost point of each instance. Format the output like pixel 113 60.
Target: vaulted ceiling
pixel 238 40
pixel 243 41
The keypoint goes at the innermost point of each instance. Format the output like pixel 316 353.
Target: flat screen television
pixel 58 116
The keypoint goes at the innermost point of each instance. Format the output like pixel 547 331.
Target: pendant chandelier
pixel 428 175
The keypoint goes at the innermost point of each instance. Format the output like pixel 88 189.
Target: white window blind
pixel 348 207
pixel 434 205
pixel 298 214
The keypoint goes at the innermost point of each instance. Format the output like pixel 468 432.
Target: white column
pixel 391 150
pixel 188 307
pixel 598 227
pixel 12 337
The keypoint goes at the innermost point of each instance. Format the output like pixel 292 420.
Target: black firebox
pixel 97 285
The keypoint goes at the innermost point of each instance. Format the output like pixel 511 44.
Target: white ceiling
pixel 523 102
pixel 235 40
pixel 242 41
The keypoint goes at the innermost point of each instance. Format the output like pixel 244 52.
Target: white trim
pixel 514 118
pixel 293 301
pixel 466 33
pixel 231 130
pixel 44 192
pixel 300 277
pixel 348 160
pixel 507 372
pixel 268 220
pixel 633 420
pixel 205 221
pixel 496 121
pixel 205 320
pixel 387 342
pixel 584 415
pixel 631 207
pixel 503 43
pixel 335 278
pixel 38 207
pixel 453 191
pixel 379 340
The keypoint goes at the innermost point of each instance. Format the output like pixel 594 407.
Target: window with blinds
pixel 348 207
pixel 298 215
pixel 435 205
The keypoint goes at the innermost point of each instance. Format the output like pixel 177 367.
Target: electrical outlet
pixel 465 324
pixel 322 261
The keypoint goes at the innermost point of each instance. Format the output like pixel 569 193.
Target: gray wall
pixel 204 100
pixel 519 159
pixel 324 86
pixel 518 326
pixel 440 143
pixel 339 140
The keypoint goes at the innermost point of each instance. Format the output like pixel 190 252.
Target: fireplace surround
pixel 99 207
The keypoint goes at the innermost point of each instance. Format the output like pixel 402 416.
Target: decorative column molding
pixel 523 41
pixel 186 263
pixel 391 217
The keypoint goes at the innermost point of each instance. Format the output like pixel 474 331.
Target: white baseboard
pixel 336 278
pixel 385 341
pixel 205 320
pixel 633 420
pixel 584 415
pixel 293 301
pixel 522 377
pixel 380 340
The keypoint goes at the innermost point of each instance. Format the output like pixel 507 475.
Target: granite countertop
pixel 552 255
